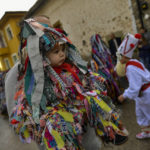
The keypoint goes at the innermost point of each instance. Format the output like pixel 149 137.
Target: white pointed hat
pixel 129 44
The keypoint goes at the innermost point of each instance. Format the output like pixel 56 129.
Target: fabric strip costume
pixel 53 105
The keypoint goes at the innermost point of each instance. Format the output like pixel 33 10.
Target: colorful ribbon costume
pixel 65 99
pixel 102 63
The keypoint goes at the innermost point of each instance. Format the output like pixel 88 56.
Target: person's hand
pixel 121 98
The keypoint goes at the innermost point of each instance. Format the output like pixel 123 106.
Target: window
pixel 14 57
pixel 2 41
pixel 7 64
pixel 2 45
pixel 9 32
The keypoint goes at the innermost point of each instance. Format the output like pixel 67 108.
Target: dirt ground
pixel 129 120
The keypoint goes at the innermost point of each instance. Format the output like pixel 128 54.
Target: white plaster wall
pixel 83 18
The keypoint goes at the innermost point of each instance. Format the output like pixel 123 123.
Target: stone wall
pixel 144 12
pixel 83 18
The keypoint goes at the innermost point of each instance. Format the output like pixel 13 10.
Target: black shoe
pixel 119 139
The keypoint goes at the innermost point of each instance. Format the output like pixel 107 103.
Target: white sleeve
pixel 135 83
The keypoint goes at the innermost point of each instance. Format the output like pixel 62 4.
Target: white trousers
pixel 143 108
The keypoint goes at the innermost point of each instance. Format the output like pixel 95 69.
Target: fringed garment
pixel 71 96
pixel 64 114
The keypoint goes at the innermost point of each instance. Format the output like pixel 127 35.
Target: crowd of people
pixel 57 94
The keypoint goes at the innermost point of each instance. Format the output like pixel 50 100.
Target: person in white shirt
pixel 139 84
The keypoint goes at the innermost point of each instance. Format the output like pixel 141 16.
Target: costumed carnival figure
pixel 139 84
pixel 102 63
pixel 56 96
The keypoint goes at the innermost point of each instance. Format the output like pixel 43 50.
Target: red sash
pixel 138 65
pixel 134 63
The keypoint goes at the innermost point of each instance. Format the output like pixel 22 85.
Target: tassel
pixel 137 36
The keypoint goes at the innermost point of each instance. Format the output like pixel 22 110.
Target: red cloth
pixel 69 68
pixel 138 65
pixel 134 63
pixel 26 64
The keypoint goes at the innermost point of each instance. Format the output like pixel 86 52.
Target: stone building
pixel 83 18
pixel 144 6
